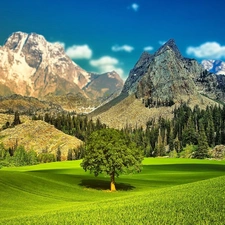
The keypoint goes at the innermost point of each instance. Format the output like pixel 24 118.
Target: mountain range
pixel 157 84
pixel 32 66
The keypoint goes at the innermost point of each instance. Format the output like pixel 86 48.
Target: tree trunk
pixel 113 187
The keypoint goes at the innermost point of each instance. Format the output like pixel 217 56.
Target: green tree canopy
pixel 109 151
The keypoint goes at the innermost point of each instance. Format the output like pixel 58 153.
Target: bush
pixel 188 151
pixel 173 154
pixel 46 157
pixel 5 164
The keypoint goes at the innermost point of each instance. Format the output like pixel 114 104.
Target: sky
pixel 105 35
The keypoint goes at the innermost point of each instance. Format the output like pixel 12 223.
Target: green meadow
pixel 167 191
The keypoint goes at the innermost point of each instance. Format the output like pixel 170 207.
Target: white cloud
pixel 126 48
pixel 208 50
pixel 148 48
pixel 107 64
pixel 135 7
pixel 162 42
pixel 60 43
pixel 79 52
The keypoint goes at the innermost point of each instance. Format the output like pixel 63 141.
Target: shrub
pixel 46 157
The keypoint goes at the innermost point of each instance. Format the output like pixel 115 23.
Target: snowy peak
pixel 214 66
pixel 32 66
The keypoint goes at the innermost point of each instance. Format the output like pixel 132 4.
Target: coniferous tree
pixel 58 154
pixel 210 130
pixel 202 150
pixel 16 120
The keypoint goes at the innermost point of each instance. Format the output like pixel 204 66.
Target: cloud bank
pixel 79 52
pixel 125 48
pixel 208 50
pixel 107 64
pixel 148 48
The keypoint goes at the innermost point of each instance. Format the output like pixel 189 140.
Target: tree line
pixel 75 125
pixel 194 130
pixel 191 133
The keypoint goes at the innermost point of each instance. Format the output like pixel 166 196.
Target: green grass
pixel 167 191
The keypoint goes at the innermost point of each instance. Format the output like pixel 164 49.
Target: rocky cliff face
pixel 163 78
pixel 31 66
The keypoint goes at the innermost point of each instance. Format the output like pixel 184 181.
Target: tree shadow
pixel 104 185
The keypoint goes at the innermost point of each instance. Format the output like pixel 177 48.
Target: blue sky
pixel 104 35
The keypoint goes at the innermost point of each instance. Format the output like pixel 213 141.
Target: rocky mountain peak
pixel 169 45
pixel 162 77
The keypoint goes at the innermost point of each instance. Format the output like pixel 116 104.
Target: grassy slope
pixel 38 135
pixel 168 191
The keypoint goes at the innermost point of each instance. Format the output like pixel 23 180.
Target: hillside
pixel 28 105
pixel 4 118
pixel 131 112
pixel 40 137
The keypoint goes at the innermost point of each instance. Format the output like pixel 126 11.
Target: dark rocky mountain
pixel 32 66
pixel 162 78
pixel 156 85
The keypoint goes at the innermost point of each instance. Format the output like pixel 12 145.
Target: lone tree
pixel 16 120
pixel 109 151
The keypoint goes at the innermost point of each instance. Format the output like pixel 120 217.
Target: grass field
pixel 167 191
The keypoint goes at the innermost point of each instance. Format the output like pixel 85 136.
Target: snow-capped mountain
pixel 29 65
pixel 214 66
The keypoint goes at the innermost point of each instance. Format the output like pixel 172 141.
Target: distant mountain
pixel 214 66
pixel 104 86
pixel 31 66
pixel 155 85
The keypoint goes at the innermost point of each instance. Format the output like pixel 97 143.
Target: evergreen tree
pixel 58 154
pixel 210 130
pixel 16 120
pixel 202 150
pixel 69 154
